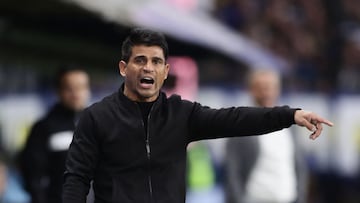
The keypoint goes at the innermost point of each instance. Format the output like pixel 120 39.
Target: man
pixel 264 169
pixel 133 143
pixel 43 158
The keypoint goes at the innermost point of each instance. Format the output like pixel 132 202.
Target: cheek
pixel 68 97
pixel 161 79
pixel 84 94
pixel 128 71
pixel 163 75
pixel 131 82
pixel 130 76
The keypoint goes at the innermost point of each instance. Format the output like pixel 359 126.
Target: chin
pixel 147 93
pixel 77 107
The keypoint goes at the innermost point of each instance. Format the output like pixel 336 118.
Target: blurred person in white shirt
pixel 265 168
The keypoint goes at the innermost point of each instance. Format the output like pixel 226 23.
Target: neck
pixel 136 97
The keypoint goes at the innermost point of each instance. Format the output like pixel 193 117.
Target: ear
pixel 167 68
pixel 122 68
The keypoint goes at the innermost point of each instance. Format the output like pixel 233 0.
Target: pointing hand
pixel 311 121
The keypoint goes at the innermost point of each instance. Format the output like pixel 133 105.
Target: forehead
pixel 75 73
pixel 148 51
pixel 264 77
pixel 74 77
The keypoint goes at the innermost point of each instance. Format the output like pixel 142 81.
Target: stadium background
pixel 315 45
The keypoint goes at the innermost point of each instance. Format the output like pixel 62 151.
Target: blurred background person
pixel 267 168
pixel 43 158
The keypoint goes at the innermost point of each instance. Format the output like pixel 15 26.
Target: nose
pixel 148 67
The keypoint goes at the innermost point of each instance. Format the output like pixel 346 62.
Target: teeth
pixel 147 80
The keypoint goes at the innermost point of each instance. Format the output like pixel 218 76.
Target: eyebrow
pixel 139 56
pixel 158 58
pixel 153 58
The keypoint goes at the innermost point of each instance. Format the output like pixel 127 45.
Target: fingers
pixel 309 125
pixel 312 122
pixel 319 126
pixel 317 132
pixel 317 119
pixel 327 122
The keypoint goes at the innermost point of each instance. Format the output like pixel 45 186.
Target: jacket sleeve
pixel 33 162
pixel 208 123
pixel 81 161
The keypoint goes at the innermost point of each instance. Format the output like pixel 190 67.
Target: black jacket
pixel 44 155
pixel 129 165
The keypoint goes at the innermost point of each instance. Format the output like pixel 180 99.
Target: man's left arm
pixel 208 123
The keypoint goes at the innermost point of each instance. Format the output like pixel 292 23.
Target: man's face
pixel 265 89
pixel 74 92
pixel 144 73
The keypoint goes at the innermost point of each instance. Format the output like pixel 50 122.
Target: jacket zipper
pixel 149 176
pixel 148 150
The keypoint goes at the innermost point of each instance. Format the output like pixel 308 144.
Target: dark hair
pixel 141 36
pixel 63 70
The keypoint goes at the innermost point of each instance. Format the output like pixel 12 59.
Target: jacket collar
pixel 60 108
pixel 125 99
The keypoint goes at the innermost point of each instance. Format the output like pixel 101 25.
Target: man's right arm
pixel 81 161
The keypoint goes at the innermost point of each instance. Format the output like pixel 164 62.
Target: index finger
pixel 325 121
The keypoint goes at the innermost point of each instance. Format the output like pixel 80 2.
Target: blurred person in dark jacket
pixel 268 168
pixel 43 158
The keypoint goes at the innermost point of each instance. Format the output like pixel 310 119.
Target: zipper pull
pixel 148 148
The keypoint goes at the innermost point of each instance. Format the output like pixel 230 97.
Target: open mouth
pixel 147 80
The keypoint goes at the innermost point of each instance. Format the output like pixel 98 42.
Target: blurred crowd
pixel 320 40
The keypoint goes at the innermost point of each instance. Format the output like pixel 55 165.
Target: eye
pixel 157 61
pixel 140 60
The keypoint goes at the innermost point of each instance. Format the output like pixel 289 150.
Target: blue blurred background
pixel 314 45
